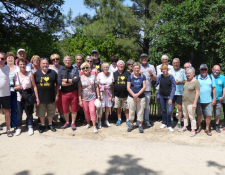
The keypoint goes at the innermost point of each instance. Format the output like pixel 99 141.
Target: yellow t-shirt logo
pixel 46 79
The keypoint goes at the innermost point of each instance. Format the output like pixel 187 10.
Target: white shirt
pixel 4 81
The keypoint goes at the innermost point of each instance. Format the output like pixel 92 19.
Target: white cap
pixel 21 50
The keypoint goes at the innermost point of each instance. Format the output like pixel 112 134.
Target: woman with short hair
pixel 10 58
pixel 136 85
pixel 35 61
pixel 105 83
pixel 190 97
pixel 87 95
pixel 130 63
pixel 24 80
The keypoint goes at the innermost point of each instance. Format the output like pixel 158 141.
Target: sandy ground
pixel 112 151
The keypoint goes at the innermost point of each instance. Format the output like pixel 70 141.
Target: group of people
pixel 90 86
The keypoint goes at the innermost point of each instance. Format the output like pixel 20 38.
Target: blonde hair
pixel 35 57
pixel 105 64
pixel 136 64
pixel 164 67
pixel 54 56
pixel 85 64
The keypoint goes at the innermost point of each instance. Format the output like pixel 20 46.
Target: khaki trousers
pixel 190 112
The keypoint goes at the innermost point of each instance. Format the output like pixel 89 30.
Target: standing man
pixel 46 79
pixel 5 99
pixel 149 71
pixel 68 78
pixel 120 91
pixel 220 94
pixel 180 78
pixel 79 60
pixel 97 61
pixel 21 53
pixel 164 60
pixel 207 98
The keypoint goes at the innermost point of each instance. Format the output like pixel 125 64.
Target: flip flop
pixel 208 133
pixel 9 133
pixel 199 130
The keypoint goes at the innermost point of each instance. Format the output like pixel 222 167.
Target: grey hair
pixel 67 56
pixel 130 61
pixel 165 56
pixel 79 55
pixel 190 68
pixel 88 57
pixel 121 62
pixel 2 53
pixel 176 59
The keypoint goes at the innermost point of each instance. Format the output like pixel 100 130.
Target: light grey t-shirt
pixel 145 69
pixel 4 81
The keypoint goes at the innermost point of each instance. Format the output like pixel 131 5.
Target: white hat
pixel 21 50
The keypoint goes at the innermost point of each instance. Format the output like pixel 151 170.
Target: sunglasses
pixel 204 69
pixel 45 59
pixel 89 61
pixel 85 68
pixel 2 59
pixel 130 64
pixel 37 60
pixel 55 59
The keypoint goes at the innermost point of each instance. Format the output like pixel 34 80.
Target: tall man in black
pixel 97 62
pixel 45 80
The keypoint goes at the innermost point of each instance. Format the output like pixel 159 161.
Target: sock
pixel 119 119
pixel 50 124
pixel 127 120
pixel 179 122
pixel 42 124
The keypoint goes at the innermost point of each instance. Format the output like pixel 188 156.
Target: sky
pixel 78 7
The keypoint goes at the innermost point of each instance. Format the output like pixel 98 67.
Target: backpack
pixel 197 76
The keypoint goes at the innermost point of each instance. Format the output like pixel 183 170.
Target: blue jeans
pixel 13 109
pixel 166 110
pixel 20 107
pixel 147 101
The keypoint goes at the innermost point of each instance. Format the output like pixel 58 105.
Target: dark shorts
pixel 5 102
pixel 177 99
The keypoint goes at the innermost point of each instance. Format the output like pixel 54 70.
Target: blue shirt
pixel 179 76
pixel 137 84
pixel 220 84
pixel 78 68
pixel 206 86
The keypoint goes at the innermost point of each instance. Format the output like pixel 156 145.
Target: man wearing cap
pixel 79 61
pixel 180 78
pixel 21 53
pixel 207 98
pixel 97 61
pixel 164 60
pixel 149 71
pixel 120 91
pixel 220 94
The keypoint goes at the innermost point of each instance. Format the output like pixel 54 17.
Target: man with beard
pixel 45 80
pixel 97 62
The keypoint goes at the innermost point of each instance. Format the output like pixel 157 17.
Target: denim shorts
pixel 205 108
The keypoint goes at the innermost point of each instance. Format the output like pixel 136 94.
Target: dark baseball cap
pixel 203 66
pixel 144 55
pixel 94 51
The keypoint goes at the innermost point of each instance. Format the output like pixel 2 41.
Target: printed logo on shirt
pixel 219 82
pixel 97 67
pixel 121 80
pixel 44 81
pixel 137 83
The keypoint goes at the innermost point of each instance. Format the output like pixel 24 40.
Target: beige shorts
pixel 43 108
pixel 120 103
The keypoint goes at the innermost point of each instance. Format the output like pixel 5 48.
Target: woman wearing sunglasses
pixel 35 60
pixel 87 95
pixel 93 70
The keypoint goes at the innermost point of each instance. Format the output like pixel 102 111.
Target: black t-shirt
pixel 46 85
pixel 98 65
pixel 120 83
pixel 165 86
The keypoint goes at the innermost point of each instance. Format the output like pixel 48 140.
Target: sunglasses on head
pixel 45 59
pixel 204 69
pixel 55 59
pixel 85 68
pixel 2 59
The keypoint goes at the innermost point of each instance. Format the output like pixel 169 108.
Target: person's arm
pixel 173 88
pixel 57 93
pixel 214 96
pixel 79 96
pixel 157 81
pixel 129 89
pixel 76 78
pixel 59 78
pixel 35 88
pixel 153 74
pixel 113 97
pixel 197 92
pixel 98 92
pixel 221 98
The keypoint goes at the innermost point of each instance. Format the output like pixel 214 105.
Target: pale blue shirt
pixel 179 76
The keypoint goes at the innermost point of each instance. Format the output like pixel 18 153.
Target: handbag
pixel 27 95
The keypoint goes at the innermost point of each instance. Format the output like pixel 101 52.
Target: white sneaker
pixel 162 126
pixel 170 129
pixel 30 131
pixel 107 123
pixel 18 132
pixel 95 130
pixel 99 125
pixel 147 124
pixel 87 126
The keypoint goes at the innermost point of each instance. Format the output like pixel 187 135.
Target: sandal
pixel 208 133
pixel 199 130
pixel 9 133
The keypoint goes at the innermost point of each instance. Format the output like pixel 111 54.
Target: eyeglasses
pixel 55 59
pixel 186 67
pixel 89 61
pixel 203 69
pixel 216 70
pixel 85 68
pixel 2 59
pixel 36 60
pixel 130 64
pixel 45 59
pixel 176 63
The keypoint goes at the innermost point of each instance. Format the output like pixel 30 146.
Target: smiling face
pixel 120 66
pixel 55 61
pixel 204 71
pixel 67 61
pixel 22 54
pixel 90 61
pixel 22 65
pixel 105 69
pixel 10 59
pixel 144 60
pixel 78 61
pixel 216 70
pixel 190 74
pixel 2 60
pixel 164 71
pixel 176 64
pixel 164 60
pixel 136 69
pixel 95 55
pixel 44 65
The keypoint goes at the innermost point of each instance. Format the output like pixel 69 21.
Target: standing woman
pixel 136 85
pixel 10 58
pixel 87 95
pixel 130 63
pixel 35 60
pixel 24 80
pixel 167 86
pixel 190 98
pixel 55 58
pixel 105 83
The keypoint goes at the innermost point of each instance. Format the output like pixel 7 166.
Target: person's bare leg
pixel 179 107
pixel 74 116
pixel 107 109
pixel 207 121
pixel 94 123
pixel 50 120
pixel 88 122
pixel 7 118
pixel 127 113
pixel 118 111
pixel 199 119
pixel 173 106
pixel 131 122
pixel 140 123
pixel 66 116
pixel 42 119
